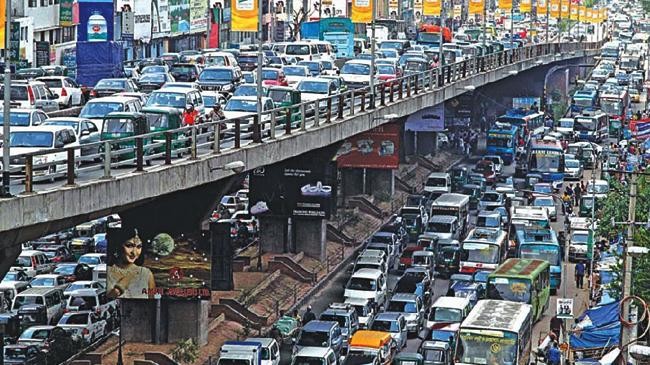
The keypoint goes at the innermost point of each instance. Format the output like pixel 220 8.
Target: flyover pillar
pixel 310 237
pixel 382 183
pixel 272 234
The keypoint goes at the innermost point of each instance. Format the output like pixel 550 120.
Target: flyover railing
pixel 111 158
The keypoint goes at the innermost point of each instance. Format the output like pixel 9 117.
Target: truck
pixel 240 353
pixel 338 31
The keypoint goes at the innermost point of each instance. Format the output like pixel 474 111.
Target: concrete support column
pixel 382 182
pixel 188 319
pixel 352 181
pixel 310 237
pixel 272 234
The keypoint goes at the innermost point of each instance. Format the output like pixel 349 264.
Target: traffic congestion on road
pixel 488 264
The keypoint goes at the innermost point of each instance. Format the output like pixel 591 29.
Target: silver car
pixel 393 323
pixel 573 169
pixel 410 305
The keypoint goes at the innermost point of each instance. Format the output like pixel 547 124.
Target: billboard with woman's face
pixel 140 267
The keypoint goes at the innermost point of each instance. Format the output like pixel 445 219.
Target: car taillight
pixel 34 263
pixel 30 94
pixel 66 310
pixel 64 92
pixel 93 93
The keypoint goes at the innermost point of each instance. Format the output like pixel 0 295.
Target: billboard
pixel 300 187
pixel 430 119
pixel 65 13
pixel 376 149
pixel 160 17
pixel 140 266
pixel 142 20
pixel 362 11
pixel 198 15
pixel 179 15
pixel 244 16
pixel 95 21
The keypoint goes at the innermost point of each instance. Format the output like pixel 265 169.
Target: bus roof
pixel 503 128
pixel 537 235
pixel 451 199
pixel 520 268
pixel 543 144
pixel 497 315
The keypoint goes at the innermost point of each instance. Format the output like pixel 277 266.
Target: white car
pixel 84 324
pixel 244 108
pixel 356 74
pixel 86 131
pixel 47 281
pixel 497 161
pixel 82 284
pixel 295 73
pixel 547 202
pixel 92 259
pixel 68 90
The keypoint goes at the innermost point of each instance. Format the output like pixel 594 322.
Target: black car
pixel 149 62
pixel 248 61
pixel 23 355
pixel 107 87
pixel 220 78
pixel 74 272
pixel 396 225
pixel 185 72
pixel 150 82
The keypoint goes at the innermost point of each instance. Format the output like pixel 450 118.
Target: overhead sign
pixel 430 119
pixel 564 309
pixel 362 11
pixel 244 15
pixel 376 149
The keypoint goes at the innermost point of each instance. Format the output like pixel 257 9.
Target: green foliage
pixel 186 351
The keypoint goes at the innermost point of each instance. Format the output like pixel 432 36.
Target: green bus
pixel 522 280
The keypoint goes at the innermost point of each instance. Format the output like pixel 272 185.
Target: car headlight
pixel 228 87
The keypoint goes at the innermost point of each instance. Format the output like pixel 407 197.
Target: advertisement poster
pixel 142 20
pixel 65 13
pixel 42 53
pixel 582 12
pixel 140 267
pixel 336 8
pixel 69 60
pixel 505 5
pixel 418 8
pixel 160 17
pixel 95 21
pixel 432 7
pixel 526 6
pixel 430 119
pixel 542 7
pixel 376 149
pixel 125 5
pixel 179 14
pixel 555 8
pixel 476 7
pixel 244 16
pixel 301 188
pixel 361 11
pixel 526 102
pixel 3 23
pixel 393 9
pixel 198 15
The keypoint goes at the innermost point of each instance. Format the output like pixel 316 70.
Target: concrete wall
pixel 272 234
pixel 310 237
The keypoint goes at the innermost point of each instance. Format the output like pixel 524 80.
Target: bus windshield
pixel 612 107
pixel 499 140
pixel 583 124
pixel 478 348
pixel 481 252
pixel 515 290
pixel 545 160
pixel 550 253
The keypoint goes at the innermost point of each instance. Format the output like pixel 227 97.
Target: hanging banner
pixel 526 6
pixel 244 16
pixel 589 16
pixel 573 10
pixel 198 19
pixel 564 9
pixel 65 13
pixel 476 7
pixel 418 7
pixel 160 17
pixel 505 5
pixel 582 13
pixel 458 10
pixel 432 7
pixel 3 23
pixel 361 11
pixel 393 9
pixel 542 7
pixel 555 8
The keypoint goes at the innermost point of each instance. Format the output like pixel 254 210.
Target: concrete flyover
pixel 31 215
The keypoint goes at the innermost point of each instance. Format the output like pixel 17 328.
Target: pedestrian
pixel 296 316
pixel 554 355
pixel 308 316
pixel 566 201
pixel 569 190
pixel 461 144
pixel 468 149
pixel 556 326
pixel 580 274
pixel 577 192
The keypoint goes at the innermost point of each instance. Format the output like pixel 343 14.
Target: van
pixel 93 300
pixel 96 109
pixel 394 324
pixel 48 301
pixel 345 315
pixel 448 310
pixel 425 259
pixel 270 350
pixel 33 263
pixel 488 219
pixel 315 355
pixel 370 262
pixel 367 284
pixel 13 288
pixel 411 307
pixel 320 334
pixel 438 183
pixel 302 51
pixel 453 204
pixel 325 49
pixel 443 227
pixel 32 94
pixel 365 311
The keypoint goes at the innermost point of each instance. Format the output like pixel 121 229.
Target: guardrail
pixel 163 147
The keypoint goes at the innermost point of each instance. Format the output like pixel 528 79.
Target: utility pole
pixel 260 60
pixel 627 263
pixel 548 15
pixel 373 43
pixel 6 175
pixel 485 18
pixel 209 26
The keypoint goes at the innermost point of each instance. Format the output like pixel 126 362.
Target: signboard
pixel 141 21
pixel 3 23
pixel 299 188
pixel 128 23
pixel 525 102
pixel 95 21
pixel 430 119
pixel 418 8
pixel 564 309
pixel 160 17
pixel 14 41
pixel 476 7
pixel 141 266
pixel 362 11
pixel 69 60
pixel 65 13
pixel 432 7
pixel 279 31
pixel 376 149
pixel 198 15
pixel 42 53
pixel 244 16
pixel 179 13
pixel 393 9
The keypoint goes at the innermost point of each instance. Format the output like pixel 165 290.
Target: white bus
pixel 496 332
pixel 483 249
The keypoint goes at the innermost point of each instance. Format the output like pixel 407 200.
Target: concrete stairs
pixel 235 311
pixel 365 205
pixel 291 268
pixel 336 235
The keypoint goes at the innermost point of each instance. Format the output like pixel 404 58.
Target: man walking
pixel 580 274
pixel 577 193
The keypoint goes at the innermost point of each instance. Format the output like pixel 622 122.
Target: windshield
pixel 405 307
pixel 27 299
pixel 316 87
pixel 598 188
pixel 362 284
pixel 439 227
pixel 436 182
pixel 280 96
pixel 63 123
pixel 543 202
pixel 386 70
pixel 312 66
pixel 500 140
pixel 239 105
pixel 490 197
pixel 297 49
pixel 216 75
pixel 209 100
pixel 43 282
pixel 355 69
pixel 566 123
pixel 316 339
pixel 75 286
pixel 80 318
pixel 514 290
pixel 303 360
pixel 175 100
pixel 89 260
pixel 583 124
pixel 488 221
pixel 572 163
pixel 390 53
pixel 35 333
pixel 153 78
pixel 100 109
pixel 385 326
pixel 117 126
pixel 475 348
pixel 583 102
pixel 545 160
pixel 31 139
pixel 270 74
pixel 434 355
pixel 612 107
pixel 441 314
pixel 296 71
pixel 481 253
pixel 154 69
pixel 548 253
pixel 580 238
pixel 110 84
pixel 391 45
pixel 341 320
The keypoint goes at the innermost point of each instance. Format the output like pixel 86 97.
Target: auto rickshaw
pixel 427 241
pixel 163 119
pixel 408 358
pixel 375 343
pixel 81 245
pixel 117 125
pixel 286 329
pixel 615 129
pixel 586 203
pixel 459 176
pixel 286 98
pixel 532 179
pixel 474 191
pixel 448 260
pixel 415 66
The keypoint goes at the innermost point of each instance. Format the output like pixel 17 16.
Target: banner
pixel 582 13
pixel 361 11
pixel 198 19
pixel 393 9
pixel 95 21
pixel 573 10
pixel 429 119
pixel 376 149
pixel 3 23
pixel 432 8
pixel 589 15
pixel 505 5
pixel 160 17
pixel 555 8
pixel 65 13
pixel 458 10
pixel 418 7
pixel 179 13
pixel 542 7
pixel 142 20
pixel 476 7
pixel 526 6
pixel 564 9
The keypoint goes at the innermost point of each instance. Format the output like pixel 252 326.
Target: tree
pixel 186 351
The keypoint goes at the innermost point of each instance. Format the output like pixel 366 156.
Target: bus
pixel 496 332
pixel 547 159
pixel 502 141
pixel 528 121
pixel 591 126
pixel 430 34
pixel 584 100
pixel 610 50
pixel 615 103
pixel 528 217
pixel 524 281
pixel 542 244
pixel 453 204
pixel 483 249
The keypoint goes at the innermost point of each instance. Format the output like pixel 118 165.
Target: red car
pixel 487 169
pixel 388 73
pixel 273 77
pixel 406 260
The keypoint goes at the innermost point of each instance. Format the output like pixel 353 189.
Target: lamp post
pixel 7 109
pixel 260 59
pixel 372 50
pixel 548 15
pixel 484 19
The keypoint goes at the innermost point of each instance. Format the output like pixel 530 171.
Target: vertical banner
pixel 418 7
pixel 564 9
pixel 542 7
pixel 505 5
pixel 526 6
pixel 476 7
pixel 432 7
pixel 582 13
pixel 589 15
pixel 198 20
pixel 458 10
pixel 573 10
pixel 65 13
pixel 142 20
pixel 555 9
pixel 95 21
pixel 3 23
pixel 393 9
pixel 361 11
pixel 244 16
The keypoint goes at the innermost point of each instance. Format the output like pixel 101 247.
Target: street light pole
pixel 7 108
pixel 372 50
pixel 260 59
pixel 512 27
pixel 440 54
pixel 548 15
pixel 484 19
pixel 627 263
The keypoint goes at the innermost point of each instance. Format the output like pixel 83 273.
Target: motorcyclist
pixel 190 115
pixel 216 113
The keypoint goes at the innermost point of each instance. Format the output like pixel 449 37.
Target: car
pixel 92 259
pixel 82 284
pixel 66 88
pixel 411 307
pixel 244 108
pixel 244 217
pixel 273 77
pixel 498 162
pixel 85 129
pixel 86 325
pixel 463 286
pixel 150 82
pixel 543 188
pixel 23 355
pixel 177 98
pixel 189 85
pixel 548 202
pixel 19 117
pixel 232 203
pixel 491 199
pixel 388 73
pixel 32 94
pixel 154 69
pixel 315 67
pixel 315 88
pixel 356 73
pixel 15 276
pixel 573 169
pixel 220 78
pixel 394 324
pixel 250 90
pixel 108 87
pixel 96 300
pixel 32 263
pixel 57 253
pixel 96 109
pixel 635 96
pixel 47 281
pixel 187 72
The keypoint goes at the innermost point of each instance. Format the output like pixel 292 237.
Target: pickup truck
pixel 240 353
pixel 85 325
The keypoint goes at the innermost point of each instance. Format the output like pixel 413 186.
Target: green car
pixel 118 125
pixel 459 177
pixel 408 358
